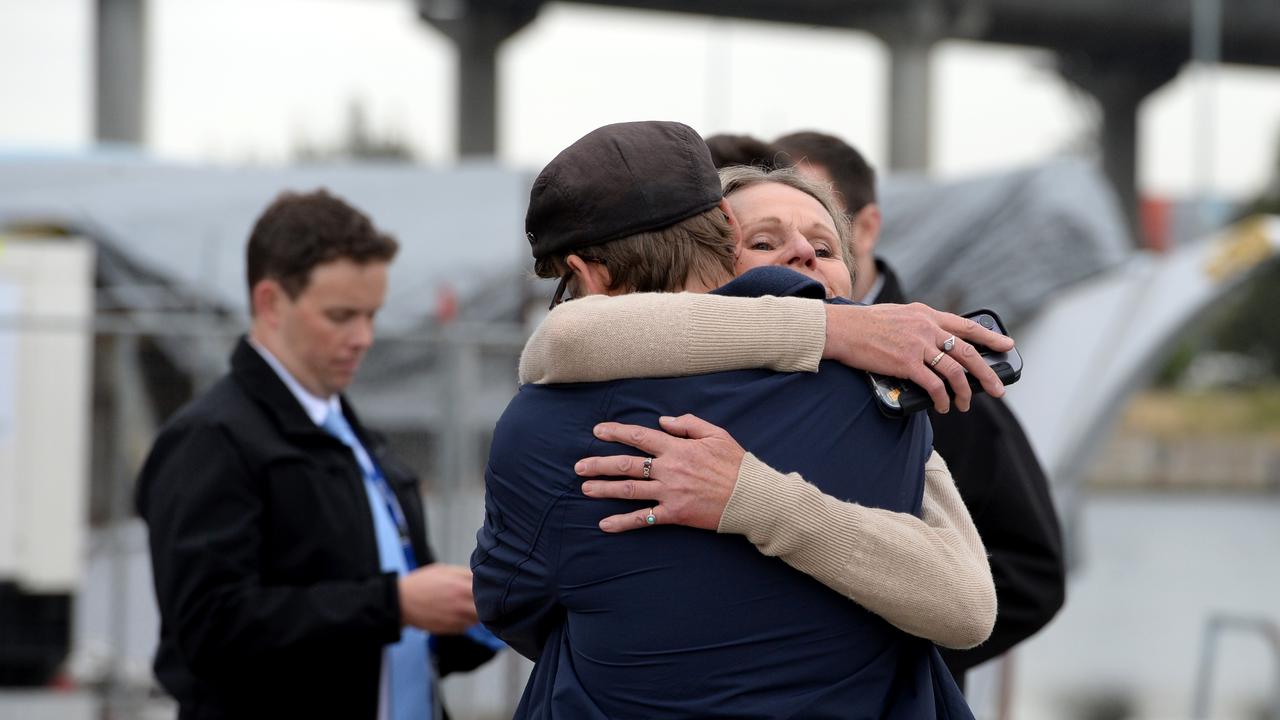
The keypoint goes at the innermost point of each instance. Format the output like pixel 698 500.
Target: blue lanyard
pixel 336 425
pixel 393 507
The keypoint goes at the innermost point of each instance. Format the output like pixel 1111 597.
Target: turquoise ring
pixel 650 519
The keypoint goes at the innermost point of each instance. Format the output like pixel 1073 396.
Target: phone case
pixel 899 398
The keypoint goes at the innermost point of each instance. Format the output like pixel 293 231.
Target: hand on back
pixel 692 469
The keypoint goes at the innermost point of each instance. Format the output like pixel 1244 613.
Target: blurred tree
pixel 1249 326
pixel 1245 322
pixel 1178 361
pixel 358 143
pixel 1269 200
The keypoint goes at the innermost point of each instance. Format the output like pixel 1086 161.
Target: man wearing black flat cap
pixel 673 621
pixel 612 185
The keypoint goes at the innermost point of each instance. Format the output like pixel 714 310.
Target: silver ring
pixel 648 467
pixel 948 344
pixel 936 359
pixel 650 519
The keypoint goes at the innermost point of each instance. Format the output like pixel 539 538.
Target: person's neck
pixel 866 280
pixel 698 285
pixel 263 339
pixel 259 337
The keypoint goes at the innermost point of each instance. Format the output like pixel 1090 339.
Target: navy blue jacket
pixel 672 622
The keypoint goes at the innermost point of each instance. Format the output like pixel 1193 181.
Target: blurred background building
pixel 1085 167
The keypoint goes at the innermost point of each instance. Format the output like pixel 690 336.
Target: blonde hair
pixel 740 177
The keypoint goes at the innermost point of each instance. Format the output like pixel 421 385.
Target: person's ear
pixel 727 209
pixel 866 228
pixel 728 214
pixel 593 278
pixel 267 297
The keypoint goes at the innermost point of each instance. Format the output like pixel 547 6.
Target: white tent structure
pixel 1047 249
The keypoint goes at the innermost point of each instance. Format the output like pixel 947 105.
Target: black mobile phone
pixel 898 398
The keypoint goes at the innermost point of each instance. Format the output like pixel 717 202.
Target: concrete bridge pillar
pixel 478 28
pixel 910 88
pixel 1119 84
pixel 120 71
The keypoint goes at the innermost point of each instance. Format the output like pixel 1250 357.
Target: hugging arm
pixel 926 575
pixel 601 338
pixel 906 569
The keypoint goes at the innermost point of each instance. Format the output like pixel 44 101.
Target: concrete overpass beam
pixel 1119 85
pixel 120 71
pixel 910 87
pixel 910 30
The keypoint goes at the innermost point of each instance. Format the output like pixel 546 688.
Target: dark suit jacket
pixel 1007 493
pixel 272 601
pixel 672 622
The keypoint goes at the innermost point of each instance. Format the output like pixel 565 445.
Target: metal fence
pixel 435 391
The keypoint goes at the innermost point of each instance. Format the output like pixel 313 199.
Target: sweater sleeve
pixel 600 338
pixel 928 576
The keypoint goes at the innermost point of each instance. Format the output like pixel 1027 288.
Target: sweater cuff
pixel 752 505
pixel 782 334
pixel 784 516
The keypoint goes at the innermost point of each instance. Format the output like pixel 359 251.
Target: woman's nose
pixel 800 251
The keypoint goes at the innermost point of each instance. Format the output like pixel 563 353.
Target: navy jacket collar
pixel 772 280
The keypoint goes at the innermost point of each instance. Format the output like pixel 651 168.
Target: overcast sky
pixel 234 81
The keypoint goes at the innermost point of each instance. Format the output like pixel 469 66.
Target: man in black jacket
pixel 291 564
pixel 994 466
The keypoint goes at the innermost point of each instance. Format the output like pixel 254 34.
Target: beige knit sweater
pixel 598 338
pixel 928 576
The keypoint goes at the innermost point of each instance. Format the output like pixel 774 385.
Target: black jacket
pixel 1007 493
pixel 272 601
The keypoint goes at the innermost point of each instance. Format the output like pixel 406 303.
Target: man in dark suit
pixel 289 550
pixel 674 622
pixel 994 466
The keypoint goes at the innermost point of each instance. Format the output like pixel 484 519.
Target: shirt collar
pixel 316 408
pixel 874 292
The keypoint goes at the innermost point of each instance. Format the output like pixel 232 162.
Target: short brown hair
pixel 662 260
pixel 740 177
pixel 299 231
pixel 727 150
pixel 852 175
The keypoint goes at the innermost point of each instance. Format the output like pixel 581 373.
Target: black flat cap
pixel 617 181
